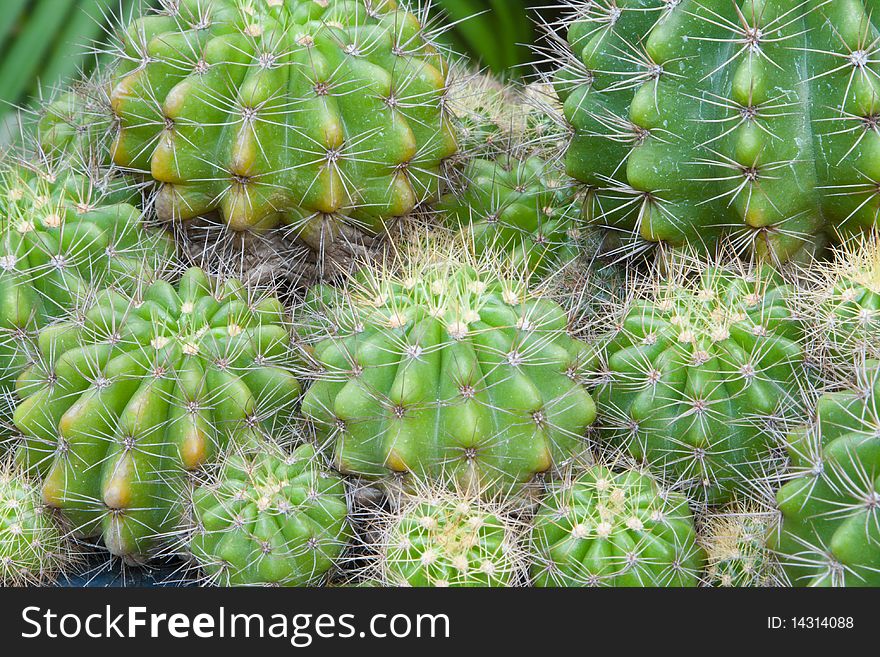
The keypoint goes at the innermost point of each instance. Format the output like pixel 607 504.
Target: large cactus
pixel 699 372
pixel 282 112
pixel 448 369
pixel 123 400
pixel 830 529
pixel 695 117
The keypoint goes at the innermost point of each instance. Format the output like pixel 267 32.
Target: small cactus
pixel 124 399
pixel 439 538
pixel 33 547
pixel 608 526
pixel 269 518
pixel 735 541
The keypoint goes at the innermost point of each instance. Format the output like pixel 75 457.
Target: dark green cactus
pixel 448 370
pixel 697 117
pixel 123 400
pixel 606 527
pixel 830 529
pixel 269 518
pixel 698 374
pixel 282 112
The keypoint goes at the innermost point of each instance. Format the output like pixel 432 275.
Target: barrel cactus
pixel 520 205
pixel 734 539
pixel 63 232
pixel 609 526
pixel 700 373
pixel 283 112
pixel 269 518
pixel 446 539
pixel 143 387
pixel 33 547
pixel 829 534
pixel 441 366
pixel 693 118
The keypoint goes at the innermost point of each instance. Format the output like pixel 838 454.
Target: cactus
pixel 269 518
pixel 443 366
pixel 141 388
pixel 700 372
pixel 608 526
pixel 694 118
pixel 439 538
pixel 519 205
pixel 842 303
pixel 33 547
pixel 62 233
pixel 737 555
pixel 282 112
pixel 829 533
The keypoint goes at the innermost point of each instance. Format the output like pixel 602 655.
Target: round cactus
pixel 843 303
pixel 62 233
pixel 519 205
pixel 140 388
pixel 830 529
pixel 444 539
pixel 282 112
pixel 33 548
pixel 737 555
pixel 608 527
pixel 269 518
pixel 698 374
pixel 448 369
pixel 693 118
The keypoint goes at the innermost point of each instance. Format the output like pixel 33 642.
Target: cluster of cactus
pixel 696 118
pixel 368 348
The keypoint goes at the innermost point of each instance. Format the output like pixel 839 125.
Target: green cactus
pixel 519 205
pixel 610 527
pixel 830 529
pixel 141 388
pixel 62 233
pixel 450 369
pixel 699 373
pixel 843 303
pixel 269 518
pixel 33 548
pixel 443 539
pixel 737 555
pixel 282 112
pixel 693 118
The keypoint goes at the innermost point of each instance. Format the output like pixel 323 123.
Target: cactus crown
pixel 444 539
pixel 735 543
